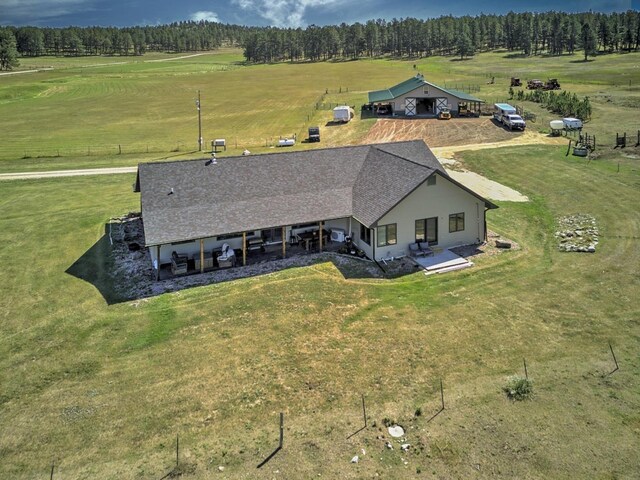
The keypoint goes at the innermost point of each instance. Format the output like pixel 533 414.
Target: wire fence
pixel 430 405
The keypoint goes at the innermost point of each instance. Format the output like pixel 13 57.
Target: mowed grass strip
pixel 103 389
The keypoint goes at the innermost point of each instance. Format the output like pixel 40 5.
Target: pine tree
pixel 8 50
pixel 589 41
pixel 465 47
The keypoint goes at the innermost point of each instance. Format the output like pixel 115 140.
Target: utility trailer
pixel 314 134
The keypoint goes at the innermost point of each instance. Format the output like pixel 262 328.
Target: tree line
pixel 552 33
pixel 76 41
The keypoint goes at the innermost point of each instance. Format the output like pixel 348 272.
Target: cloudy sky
pixel 283 13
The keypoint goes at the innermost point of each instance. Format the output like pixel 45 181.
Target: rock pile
pixel 577 233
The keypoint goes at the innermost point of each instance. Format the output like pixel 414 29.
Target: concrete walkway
pixel 67 173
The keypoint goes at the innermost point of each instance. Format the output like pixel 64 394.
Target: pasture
pixel 103 390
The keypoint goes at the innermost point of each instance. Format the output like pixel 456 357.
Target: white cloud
pixel 38 9
pixel 204 15
pixel 285 13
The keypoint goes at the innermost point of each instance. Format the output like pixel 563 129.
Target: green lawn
pixel 103 390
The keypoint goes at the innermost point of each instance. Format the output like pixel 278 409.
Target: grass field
pixel 91 108
pixel 102 390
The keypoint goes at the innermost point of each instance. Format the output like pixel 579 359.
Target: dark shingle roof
pixel 411 84
pixel 262 191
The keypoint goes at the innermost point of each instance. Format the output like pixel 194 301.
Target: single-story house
pixel 385 196
pixel 416 96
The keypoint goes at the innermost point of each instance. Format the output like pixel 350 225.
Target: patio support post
pixel 244 249
pixel 158 262
pixel 320 237
pixel 201 255
pixel 284 242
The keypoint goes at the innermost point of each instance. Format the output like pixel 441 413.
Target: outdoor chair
pixel 414 250
pixel 178 263
pixel 425 249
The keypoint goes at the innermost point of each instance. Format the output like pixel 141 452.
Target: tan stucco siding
pixel 439 200
pixel 366 248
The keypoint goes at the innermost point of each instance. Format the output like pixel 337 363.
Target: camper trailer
pixel 343 113
pixel 502 109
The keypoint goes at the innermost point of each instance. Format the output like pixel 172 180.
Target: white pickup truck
pixel 513 122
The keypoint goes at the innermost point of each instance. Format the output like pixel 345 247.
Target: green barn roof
pixel 410 85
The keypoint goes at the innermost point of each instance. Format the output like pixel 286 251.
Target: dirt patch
pixel 458 134
pixel 439 133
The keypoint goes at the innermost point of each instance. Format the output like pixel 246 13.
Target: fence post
pixel 614 359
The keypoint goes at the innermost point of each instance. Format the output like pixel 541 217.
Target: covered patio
pixel 254 251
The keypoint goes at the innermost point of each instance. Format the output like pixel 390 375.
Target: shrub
pixel 519 388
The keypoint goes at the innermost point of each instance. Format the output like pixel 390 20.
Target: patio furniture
pixel 425 248
pixel 309 239
pixel 420 249
pixel 208 260
pixel 414 250
pixel 255 243
pixel 227 258
pixel 178 263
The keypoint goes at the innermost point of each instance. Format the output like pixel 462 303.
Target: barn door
pixel 440 104
pixel 410 107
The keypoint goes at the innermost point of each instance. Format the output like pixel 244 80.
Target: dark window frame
pixel 426 231
pixel 365 234
pixel 386 228
pixel 458 222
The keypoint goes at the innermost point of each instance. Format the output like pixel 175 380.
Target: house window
pixel 365 234
pixel 387 235
pixel 431 180
pixel 456 222
pixel 427 230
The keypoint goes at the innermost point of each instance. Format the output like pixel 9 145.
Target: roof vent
pixel 171 192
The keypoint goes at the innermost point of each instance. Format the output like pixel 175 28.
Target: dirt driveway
pixel 446 138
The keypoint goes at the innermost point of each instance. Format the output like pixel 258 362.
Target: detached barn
pixel 417 97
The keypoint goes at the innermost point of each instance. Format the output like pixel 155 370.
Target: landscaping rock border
pixel 577 233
